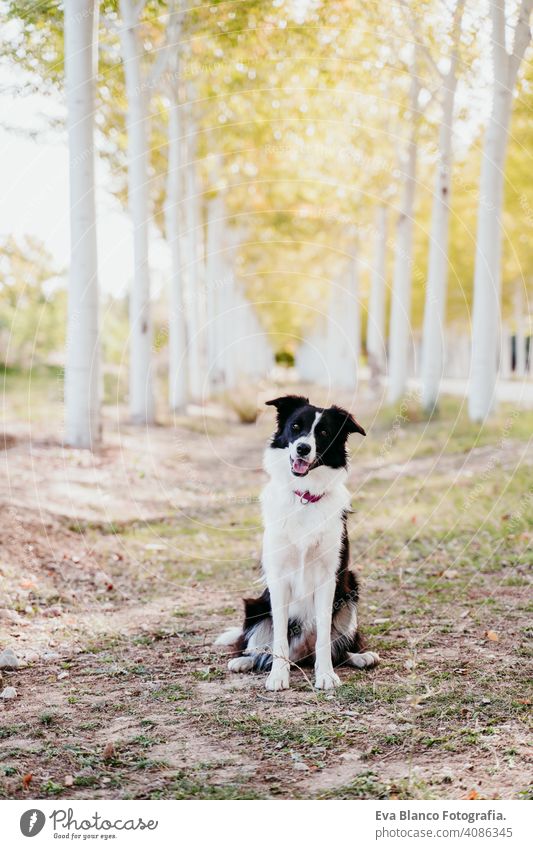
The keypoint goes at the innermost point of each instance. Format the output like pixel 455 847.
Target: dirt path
pixel 118 569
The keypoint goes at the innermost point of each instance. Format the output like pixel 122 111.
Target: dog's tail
pixel 229 638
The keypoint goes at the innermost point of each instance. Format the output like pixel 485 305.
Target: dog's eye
pixel 323 433
pixel 295 427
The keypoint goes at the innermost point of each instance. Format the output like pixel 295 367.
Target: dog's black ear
pixel 286 405
pixel 347 423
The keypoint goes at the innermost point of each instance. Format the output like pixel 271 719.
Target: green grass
pixel 367 785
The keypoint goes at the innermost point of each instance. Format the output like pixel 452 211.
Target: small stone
pixel 301 767
pixel 9 660
pixel 49 655
pixel 62 675
pixel 8 693
pixel 55 610
pixel 68 780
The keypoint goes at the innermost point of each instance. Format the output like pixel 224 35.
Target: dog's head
pixel 314 436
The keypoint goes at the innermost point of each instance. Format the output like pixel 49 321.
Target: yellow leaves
pixel 492 635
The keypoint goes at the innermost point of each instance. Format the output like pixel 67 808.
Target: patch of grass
pixel 211 673
pixel 86 781
pixel 185 786
pixel 172 693
pixel 144 741
pixel 47 718
pixel 363 692
pixel 51 788
pixel 10 731
pixel 318 732
pixel 84 756
pixel 8 770
pixel 367 785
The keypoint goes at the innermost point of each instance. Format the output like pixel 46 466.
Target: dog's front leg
pixel 279 600
pixel 325 677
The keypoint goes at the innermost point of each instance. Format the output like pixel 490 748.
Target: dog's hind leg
pixel 363 660
pixel 229 638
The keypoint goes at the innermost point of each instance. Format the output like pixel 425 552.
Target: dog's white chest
pixel 306 526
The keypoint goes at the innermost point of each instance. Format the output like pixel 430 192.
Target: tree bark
pixel 376 309
pixel 433 335
pixel 487 273
pixel 177 328
pixel 82 368
pixel 140 386
pixel 344 332
pixel 214 281
pixel 195 294
pixel 403 261
pixel 520 334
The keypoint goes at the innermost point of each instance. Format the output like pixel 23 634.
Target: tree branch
pixel 499 52
pixel 522 37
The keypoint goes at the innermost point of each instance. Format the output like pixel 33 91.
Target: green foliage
pixel 32 303
pixel 305 109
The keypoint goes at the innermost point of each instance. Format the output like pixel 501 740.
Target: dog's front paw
pixel 326 680
pixel 278 680
pixel 241 664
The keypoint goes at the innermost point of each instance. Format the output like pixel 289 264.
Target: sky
pixel 34 188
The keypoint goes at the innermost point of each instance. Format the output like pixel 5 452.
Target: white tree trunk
pixel 214 274
pixel 403 260
pixel 433 333
pixel 520 336
pixel 82 385
pixel 376 308
pixel 195 295
pixel 506 354
pixel 141 393
pixel 487 273
pixel 344 332
pixel 177 329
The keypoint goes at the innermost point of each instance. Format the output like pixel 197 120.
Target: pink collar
pixel 307 497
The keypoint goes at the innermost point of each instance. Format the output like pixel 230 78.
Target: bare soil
pixel 118 569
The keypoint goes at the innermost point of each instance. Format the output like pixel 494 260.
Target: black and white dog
pixel 308 612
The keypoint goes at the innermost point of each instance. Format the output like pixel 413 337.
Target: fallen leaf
pixel 492 635
pixel 473 795
pixel 27 779
pixel 109 751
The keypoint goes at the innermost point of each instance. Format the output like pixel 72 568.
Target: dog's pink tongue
pixel 300 466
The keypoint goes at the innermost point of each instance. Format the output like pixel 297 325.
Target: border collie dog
pixel 308 611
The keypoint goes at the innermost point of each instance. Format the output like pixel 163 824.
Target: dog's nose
pixel 303 449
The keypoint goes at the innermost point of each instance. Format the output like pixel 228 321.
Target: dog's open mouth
pixel 300 467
